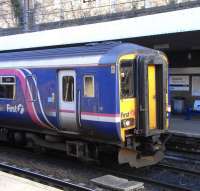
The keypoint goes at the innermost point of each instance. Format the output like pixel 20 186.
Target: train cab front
pixel 143 90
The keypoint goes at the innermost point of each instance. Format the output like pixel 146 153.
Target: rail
pixel 179 169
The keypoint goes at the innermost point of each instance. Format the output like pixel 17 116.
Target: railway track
pixel 62 184
pixel 182 143
pixel 151 176
pixel 164 184
pixel 183 155
pixel 177 177
pixel 154 182
pixel 179 169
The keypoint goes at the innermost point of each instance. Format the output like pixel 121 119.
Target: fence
pixel 40 12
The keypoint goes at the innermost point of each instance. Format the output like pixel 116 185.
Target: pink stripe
pixel 26 93
pixel 101 114
pixel 66 111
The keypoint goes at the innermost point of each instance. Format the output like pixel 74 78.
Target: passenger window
pixel 7 87
pixel 89 86
pixel 68 88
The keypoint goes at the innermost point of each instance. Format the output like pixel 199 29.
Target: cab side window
pixel 7 87
pixel 89 86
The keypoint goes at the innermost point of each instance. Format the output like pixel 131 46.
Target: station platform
pixel 189 128
pixel 11 182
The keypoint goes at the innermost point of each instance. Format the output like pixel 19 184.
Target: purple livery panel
pixel 99 115
pixel 30 105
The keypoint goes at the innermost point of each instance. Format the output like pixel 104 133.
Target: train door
pixel 67 100
pixel 153 83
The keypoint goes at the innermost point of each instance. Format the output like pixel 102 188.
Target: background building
pixel 33 15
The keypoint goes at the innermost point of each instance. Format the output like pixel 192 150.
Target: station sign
pixel 179 82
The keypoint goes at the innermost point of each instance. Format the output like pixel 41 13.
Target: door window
pixel 68 88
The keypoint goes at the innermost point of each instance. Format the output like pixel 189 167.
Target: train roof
pixel 95 53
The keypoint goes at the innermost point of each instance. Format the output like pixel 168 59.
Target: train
pixel 87 100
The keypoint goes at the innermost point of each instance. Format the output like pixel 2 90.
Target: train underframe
pixel 137 152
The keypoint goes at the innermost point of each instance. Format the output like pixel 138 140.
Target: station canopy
pixel 143 26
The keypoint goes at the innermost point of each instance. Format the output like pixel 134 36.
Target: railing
pixel 90 9
pixel 37 13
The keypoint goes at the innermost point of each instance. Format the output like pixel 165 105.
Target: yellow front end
pixel 141 110
pixel 128 116
pixel 127 102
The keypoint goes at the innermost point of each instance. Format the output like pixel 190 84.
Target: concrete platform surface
pixel 189 128
pixel 11 182
pixel 116 183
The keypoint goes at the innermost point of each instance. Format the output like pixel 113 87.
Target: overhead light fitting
pixel 161 46
pixel 189 56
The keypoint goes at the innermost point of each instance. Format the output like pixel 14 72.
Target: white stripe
pixel 51 113
pixel 147 25
pixel 100 118
pixel 52 63
pixel 40 103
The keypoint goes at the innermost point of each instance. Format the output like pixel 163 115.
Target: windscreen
pixel 127 71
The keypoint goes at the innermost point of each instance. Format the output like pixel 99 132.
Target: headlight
pixel 169 109
pixel 127 122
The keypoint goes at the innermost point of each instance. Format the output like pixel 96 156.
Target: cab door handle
pixel 142 108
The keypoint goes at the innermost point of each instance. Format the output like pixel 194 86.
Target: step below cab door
pixel 67 100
